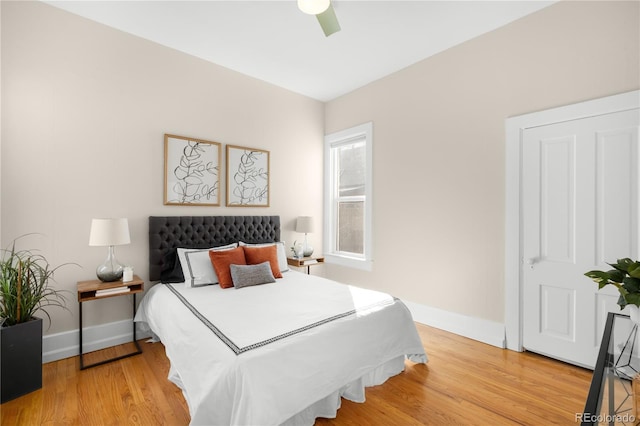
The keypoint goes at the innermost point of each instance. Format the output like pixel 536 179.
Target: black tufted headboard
pixel 169 232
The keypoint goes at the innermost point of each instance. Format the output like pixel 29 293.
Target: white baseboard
pixel 490 332
pixel 66 344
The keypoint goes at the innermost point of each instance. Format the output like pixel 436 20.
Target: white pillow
pixel 282 253
pixel 196 265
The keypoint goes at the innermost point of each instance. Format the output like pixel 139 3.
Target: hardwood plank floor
pixel 465 382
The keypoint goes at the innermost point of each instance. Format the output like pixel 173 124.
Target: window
pixel 348 189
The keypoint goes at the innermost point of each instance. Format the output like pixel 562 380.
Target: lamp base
pixel 307 250
pixel 110 270
pixel 107 276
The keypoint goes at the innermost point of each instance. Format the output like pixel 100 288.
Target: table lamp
pixel 109 232
pixel 304 224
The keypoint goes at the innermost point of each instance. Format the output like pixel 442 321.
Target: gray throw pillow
pixel 248 275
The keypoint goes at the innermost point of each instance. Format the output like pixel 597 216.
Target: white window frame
pixel 331 255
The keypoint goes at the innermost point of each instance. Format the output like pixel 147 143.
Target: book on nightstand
pixel 111 291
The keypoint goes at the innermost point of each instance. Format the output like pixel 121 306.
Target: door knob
pixel 531 261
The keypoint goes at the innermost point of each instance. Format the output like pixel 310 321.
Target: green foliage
pixel 625 276
pixel 25 279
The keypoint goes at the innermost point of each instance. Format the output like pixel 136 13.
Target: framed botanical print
pixel 191 171
pixel 247 177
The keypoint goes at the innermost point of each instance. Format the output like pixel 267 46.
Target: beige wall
pixel 439 145
pixel 84 110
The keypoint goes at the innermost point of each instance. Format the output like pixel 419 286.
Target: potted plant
pixel 25 288
pixel 625 276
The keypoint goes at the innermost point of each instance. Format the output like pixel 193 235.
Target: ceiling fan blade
pixel 328 21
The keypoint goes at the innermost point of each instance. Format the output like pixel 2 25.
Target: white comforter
pixel 260 355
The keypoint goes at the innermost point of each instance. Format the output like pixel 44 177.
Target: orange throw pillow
pixel 222 261
pixel 255 255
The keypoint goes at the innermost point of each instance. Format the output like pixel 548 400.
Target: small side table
pixel 611 394
pixel 96 289
pixel 305 261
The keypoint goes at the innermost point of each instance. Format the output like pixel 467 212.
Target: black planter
pixel 20 359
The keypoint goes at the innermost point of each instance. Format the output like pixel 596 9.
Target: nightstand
pixel 96 289
pixel 305 261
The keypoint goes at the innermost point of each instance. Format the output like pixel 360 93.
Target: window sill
pixel 349 262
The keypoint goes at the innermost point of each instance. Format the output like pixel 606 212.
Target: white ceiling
pixel 275 42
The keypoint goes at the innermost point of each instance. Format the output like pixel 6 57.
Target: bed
pixel 280 352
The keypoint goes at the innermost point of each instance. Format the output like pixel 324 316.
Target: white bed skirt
pixel 354 391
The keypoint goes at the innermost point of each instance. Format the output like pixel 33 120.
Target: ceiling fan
pixel 323 9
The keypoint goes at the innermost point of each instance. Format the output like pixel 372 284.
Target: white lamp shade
pixel 109 232
pixel 313 7
pixel 304 224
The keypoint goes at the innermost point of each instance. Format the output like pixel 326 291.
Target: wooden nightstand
pixel 96 289
pixel 305 261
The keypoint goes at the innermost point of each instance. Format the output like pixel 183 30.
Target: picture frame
pixel 248 177
pixel 191 171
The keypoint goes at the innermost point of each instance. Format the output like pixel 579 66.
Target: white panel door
pixel 579 211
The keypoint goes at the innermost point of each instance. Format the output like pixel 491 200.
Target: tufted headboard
pixel 169 232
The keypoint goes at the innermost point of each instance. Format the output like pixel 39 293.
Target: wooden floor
pixel 465 382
